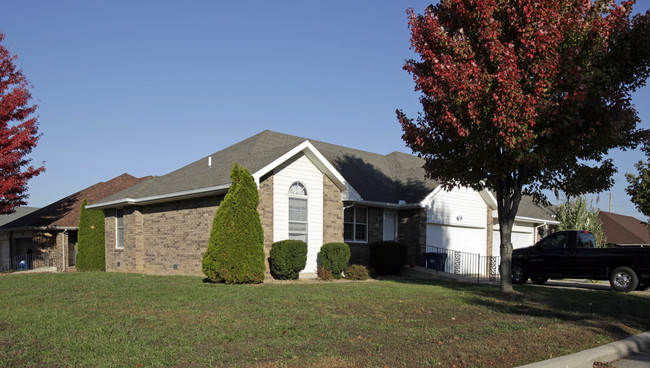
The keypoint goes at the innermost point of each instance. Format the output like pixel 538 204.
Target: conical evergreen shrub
pixel 235 253
pixel 90 241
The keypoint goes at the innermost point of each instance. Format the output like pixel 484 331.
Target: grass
pixel 112 319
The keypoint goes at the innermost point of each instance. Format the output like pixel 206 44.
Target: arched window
pixel 298 212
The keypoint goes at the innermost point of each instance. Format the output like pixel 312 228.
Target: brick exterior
pixel 412 231
pixel 265 209
pixel 332 212
pixel 163 239
pixel 489 225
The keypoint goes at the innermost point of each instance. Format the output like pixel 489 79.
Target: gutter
pixel 187 194
pixel 388 204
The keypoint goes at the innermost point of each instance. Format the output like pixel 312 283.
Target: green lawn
pixel 111 319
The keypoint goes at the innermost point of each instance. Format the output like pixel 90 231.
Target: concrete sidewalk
pixel 631 348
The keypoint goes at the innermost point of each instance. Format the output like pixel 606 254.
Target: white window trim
pixel 306 199
pixel 354 225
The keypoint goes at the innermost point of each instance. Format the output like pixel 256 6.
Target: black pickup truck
pixel 573 254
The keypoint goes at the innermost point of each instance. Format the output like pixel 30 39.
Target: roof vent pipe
pixel 209 162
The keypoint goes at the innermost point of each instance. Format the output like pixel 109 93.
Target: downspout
pixel 537 227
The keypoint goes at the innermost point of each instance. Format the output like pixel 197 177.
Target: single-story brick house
pixel 309 190
pixel 624 230
pixel 49 234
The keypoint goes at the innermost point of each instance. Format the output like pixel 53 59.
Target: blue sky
pixel 146 87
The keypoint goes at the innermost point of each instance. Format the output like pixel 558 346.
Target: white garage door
pixel 464 239
pixel 519 240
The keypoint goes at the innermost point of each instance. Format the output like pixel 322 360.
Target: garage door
pixel 519 240
pixel 464 239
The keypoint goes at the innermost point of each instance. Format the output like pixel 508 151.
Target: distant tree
pixel 18 133
pixel 575 213
pixel 91 254
pixel 235 253
pixel 639 188
pixel 520 96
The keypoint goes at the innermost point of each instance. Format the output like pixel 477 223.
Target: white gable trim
pixel 308 149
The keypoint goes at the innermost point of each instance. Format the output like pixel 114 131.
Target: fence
pixel 25 262
pixel 471 265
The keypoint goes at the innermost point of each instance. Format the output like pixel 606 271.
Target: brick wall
pixel 490 229
pixel 265 209
pixel 332 212
pixel 412 231
pixel 163 239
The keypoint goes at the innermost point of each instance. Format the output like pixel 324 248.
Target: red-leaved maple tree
pixel 18 133
pixel 520 96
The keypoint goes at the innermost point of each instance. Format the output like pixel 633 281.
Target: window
pixel 298 212
pixel 586 240
pixel 355 224
pixel 119 229
pixel 554 241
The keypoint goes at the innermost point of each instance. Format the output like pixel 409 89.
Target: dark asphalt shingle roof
pixel 18 213
pixel 621 229
pixel 379 178
pixel 65 212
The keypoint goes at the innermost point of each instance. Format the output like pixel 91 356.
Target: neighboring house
pixel 308 190
pixel 49 234
pixel 624 230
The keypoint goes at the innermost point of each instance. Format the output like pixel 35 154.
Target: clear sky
pixel 146 87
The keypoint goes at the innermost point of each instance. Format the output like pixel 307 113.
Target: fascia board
pixel 187 194
pixel 427 200
pixel 530 220
pixel 406 206
pixel 318 159
pixel 489 199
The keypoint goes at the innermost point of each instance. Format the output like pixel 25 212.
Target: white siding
pixel 457 220
pixel 299 169
pixel 459 207
pixel 522 236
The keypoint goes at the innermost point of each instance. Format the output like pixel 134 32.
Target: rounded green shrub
pixel 335 257
pixel 287 259
pixel 357 272
pixel 388 258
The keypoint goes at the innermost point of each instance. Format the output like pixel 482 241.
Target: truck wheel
pixel 539 280
pixel 623 279
pixel 519 274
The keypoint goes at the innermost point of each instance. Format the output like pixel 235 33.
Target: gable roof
pixel 371 177
pixel 18 213
pixel 375 177
pixel 624 230
pixel 64 213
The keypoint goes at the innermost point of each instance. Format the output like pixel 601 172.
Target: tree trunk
pixel 508 199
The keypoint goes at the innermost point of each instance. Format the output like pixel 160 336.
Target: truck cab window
pixel 554 241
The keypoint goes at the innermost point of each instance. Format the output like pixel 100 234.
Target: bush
pixel 287 259
pixel 325 274
pixel 357 272
pixel 335 257
pixel 235 253
pixel 91 255
pixel 388 258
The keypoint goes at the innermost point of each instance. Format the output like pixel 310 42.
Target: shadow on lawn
pixel 601 310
